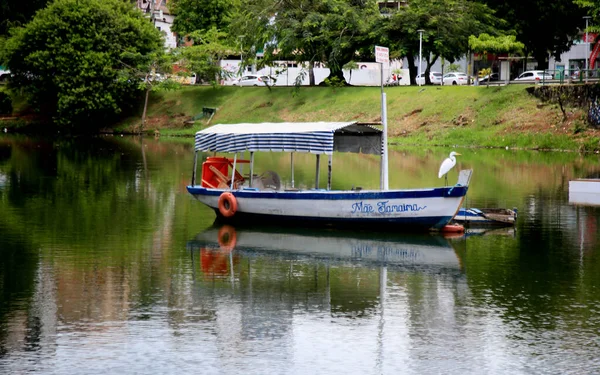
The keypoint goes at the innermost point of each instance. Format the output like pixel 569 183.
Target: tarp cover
pixel 313 137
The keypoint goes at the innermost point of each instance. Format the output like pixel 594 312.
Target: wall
pixel 368 73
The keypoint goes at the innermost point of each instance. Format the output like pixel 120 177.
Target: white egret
pixel 448 164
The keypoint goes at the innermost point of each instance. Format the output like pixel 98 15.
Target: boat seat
pixel 225 181
pixel 270 180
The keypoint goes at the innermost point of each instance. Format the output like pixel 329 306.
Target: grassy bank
pixel 449 116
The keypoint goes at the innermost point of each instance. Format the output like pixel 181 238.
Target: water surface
pixel 107 265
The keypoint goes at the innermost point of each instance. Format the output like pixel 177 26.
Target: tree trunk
pixel 337 73
pixel 145 108
pixel 540 57
pixel 412 69
pixel 430 63
pixel 311 73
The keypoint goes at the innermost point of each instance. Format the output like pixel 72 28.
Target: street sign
pixel 382 54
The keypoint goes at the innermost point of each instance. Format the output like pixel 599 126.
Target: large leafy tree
pixel 545 27
pixel 446 26
pixel 202 15
pixel 79 60
pixel 204 55
pixel 333 32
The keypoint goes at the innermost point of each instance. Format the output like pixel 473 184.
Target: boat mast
pixel 384 145
pixel 292 160
pixel 318 167
pixel 251 167
pixel 233 171
pixel 382 55
pixel 329 172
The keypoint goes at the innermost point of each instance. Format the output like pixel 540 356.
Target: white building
pixel 161 17
pixel 286 72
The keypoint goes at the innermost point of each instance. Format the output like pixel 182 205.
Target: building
pixel 162 18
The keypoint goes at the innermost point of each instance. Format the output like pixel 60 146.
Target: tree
pixel 485 43
pixel 201 15
pixel 446 26
pixel 204 56
pixel 18 12
pixel 333 32
pixel 544 27
pixel 77 59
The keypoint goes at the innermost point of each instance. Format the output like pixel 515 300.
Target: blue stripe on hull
pixel 450 191
pixel 399 224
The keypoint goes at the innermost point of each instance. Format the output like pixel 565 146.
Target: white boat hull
pixel 423 208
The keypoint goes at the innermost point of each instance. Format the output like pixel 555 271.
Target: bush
pixel 6 107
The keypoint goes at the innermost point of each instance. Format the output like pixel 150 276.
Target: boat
pixel 585 192
pixel 429 250
pixel 486 217
pixel 238 198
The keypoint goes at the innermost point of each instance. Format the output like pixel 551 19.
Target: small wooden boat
pixel 237 198
pixel 486 216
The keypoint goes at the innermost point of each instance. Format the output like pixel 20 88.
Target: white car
pixel 434 77
pixel 252 80
pixel 534 75
pixel 455 78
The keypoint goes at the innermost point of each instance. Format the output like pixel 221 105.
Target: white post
pixel 251 167
pixel 420 53
pixel 329 172
pixel 318 167
pixel 233 171
pixel 384 145
pixel 292 169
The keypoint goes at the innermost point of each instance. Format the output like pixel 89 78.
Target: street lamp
pixel 587 46
pixel 241 54
pixel 420 31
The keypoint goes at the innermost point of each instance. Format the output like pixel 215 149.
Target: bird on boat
pixel 448 164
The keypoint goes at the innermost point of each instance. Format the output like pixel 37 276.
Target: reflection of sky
pixel 3 180
pixel 425 330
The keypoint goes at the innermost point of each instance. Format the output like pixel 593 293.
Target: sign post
pixel 382 55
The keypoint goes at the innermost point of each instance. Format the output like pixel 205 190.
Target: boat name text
pixel 383 207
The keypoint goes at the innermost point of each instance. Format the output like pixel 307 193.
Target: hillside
pixel 462 116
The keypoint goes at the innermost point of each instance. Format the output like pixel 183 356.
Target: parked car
pixel 455 78
pixel 534 75
pixel 494 77
pixel 434 77
pixel 252 80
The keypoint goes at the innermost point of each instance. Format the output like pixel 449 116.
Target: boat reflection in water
pixel 422 250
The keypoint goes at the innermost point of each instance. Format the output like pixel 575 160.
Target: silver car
pixel 253 80
pixel 534 75
pixel 455 78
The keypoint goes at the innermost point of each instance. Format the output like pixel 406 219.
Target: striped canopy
pixel 313 137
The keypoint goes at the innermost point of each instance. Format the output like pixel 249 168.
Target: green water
pixel 107 265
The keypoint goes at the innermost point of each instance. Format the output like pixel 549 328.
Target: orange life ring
pixel 227 238
pixel 227 204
